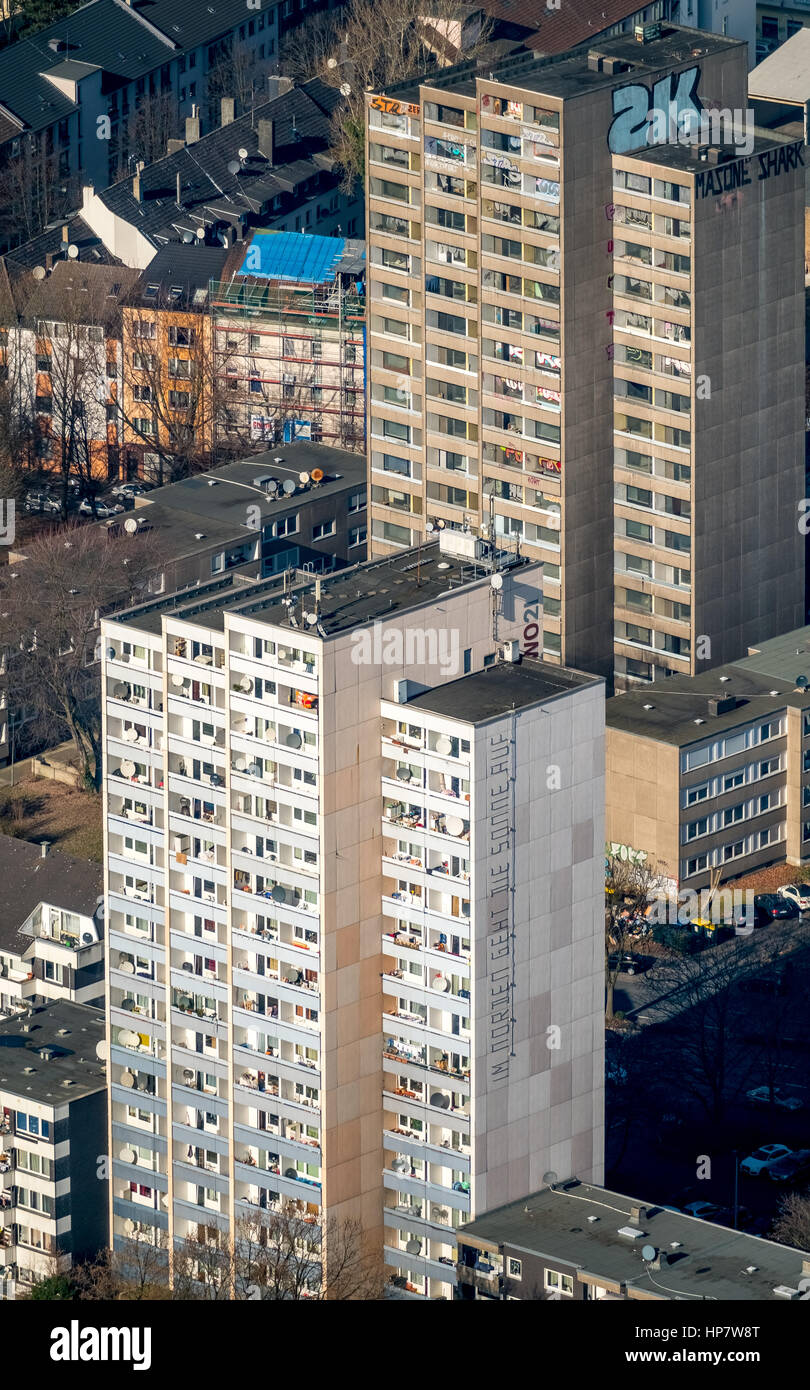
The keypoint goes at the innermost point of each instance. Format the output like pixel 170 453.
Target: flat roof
pixel 216 503
pixel 349 598
pixel 785 74
pixel 483 695
pixel 73 1032
pixel 698 1257
pixel 676 702
pixel 685 157
pixel 570 76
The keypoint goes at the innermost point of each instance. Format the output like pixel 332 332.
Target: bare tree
pixel 235 73
pixel 172 392
pixel 304 51
pixel 378 45
pixel 792 1225
pixel 629 889
pixel 154 122
pixel 52 602
pixel 32 191
pixel 137 1269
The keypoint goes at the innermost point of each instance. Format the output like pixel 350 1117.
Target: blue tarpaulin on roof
pixel 293 256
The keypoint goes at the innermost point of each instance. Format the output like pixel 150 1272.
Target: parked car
pixel 761 1159
pixel 629 964
pixel 775 907
pixel 102 509
pixel 34 501
pixel 52 506
pixel 793 1165
pixel 798 893
pixel 706 1211
pixel 761 1095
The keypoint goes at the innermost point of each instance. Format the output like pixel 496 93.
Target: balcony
pixel 481 1276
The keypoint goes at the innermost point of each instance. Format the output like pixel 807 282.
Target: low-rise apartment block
pixel 289 341
pixel 51 927
pixel 53 1139
pixel 573 1241
pixel 357 932
pixel 714 775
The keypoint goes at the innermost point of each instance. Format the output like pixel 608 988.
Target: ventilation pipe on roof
pixel 193 126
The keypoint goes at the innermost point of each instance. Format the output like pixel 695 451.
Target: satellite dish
pixel 496 582
pixel 73 252
pixel 648 1252
pixel 246 684
pixel 440 525
pixel 201 233
pixel 293 740
pixel 242 152
pixel 288 487
pixel 234 166
pixel 176 679
pixel 429 526
pixel 39 272
pixel 802 682
pixel 441 983
pixel 128 768
pixel 240 765
pixel 102 1050
pixel 550 1178
pixel 317 475
pixel 444 744
pixel 331 62
pixel 440 1099
pixel 127 1079
pixel 188 237
pixel 454 825
pixel 310 619
pixel 126 967
pixel 345 89
pixel 413 1247
pixel 130 735
pixel 120 690
pixel 130 526
pixel 279 894
pixel 303 478
pixel 271 486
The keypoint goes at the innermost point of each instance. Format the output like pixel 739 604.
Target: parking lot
pixel 765 1029
pixel 43 499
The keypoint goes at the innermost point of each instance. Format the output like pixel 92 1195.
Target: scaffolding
pixel 293 323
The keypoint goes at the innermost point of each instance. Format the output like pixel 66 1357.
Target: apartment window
pixel 558 1283
pixel 637 530
pixel 323 529
pixel 514 1268
pixel 694 866
pixel 357 535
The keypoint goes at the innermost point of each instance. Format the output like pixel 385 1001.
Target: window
pixel 357 535
pixel 322 529
pixel 558 1283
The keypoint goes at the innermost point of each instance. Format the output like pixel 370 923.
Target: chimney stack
pixel 227 111
pixel 44 846
pixel 174 146
pixel 193 126
pixel 137 191
pixel 267 140
pixel 278 86
pixel 65 234
pixel 179 190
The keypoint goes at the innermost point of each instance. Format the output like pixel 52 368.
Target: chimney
pixel 227 111
pixel 278 86
pixel 49 261
pixel 805 1268
pixel 637 1215
pixel 44 846
pixel 137 192
pixel 193 126
pixel 65 234
pixel 174 146
pixel 267 140
pixel 179 198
